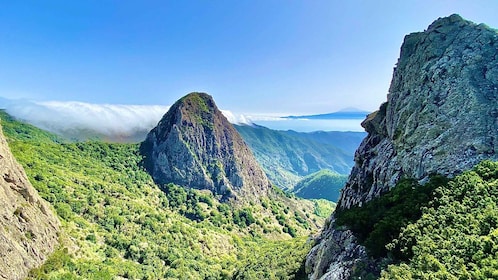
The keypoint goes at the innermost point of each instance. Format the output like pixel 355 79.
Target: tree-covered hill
pixel 116 222
pixel 322 184
pixel 288 156
pixel 457 235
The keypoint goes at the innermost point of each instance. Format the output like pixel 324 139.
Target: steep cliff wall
pixel 441 117
pixel 195 146
pixel 28 228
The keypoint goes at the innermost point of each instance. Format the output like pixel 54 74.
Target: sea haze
pixel 120 122
pixel 345 120
pixel 310 125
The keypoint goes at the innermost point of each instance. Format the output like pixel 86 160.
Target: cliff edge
pixel 441 117
pixel 28 227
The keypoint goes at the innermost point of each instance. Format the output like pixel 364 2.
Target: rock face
pixel 195 146
pixel 28 228
pixel 441 116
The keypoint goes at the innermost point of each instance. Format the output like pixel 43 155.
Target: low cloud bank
pixel 131 123
pixel 86 120
pixel 79 120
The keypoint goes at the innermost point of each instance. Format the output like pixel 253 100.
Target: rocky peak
pixel 441 114
pixel 195 146
pixel 441 117
pixel 28 227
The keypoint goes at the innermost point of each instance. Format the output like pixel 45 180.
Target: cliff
pixel 441 117
pixel 195 146
pixel 28 228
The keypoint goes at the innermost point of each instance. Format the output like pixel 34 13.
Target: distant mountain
pixel 340 115
pixel 347 141
pixel 322 184
pixel 288 156
pixel 195 146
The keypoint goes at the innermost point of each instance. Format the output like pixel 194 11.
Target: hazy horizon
pixel 118 119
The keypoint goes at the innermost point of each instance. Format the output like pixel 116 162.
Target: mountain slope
pixel 288 156
pixel 322 184
pixel 29 229
pixel 195 146
pixel 440 118
pixel 117 223
pixel 464 215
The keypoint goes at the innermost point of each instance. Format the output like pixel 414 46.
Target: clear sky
pixel 253 56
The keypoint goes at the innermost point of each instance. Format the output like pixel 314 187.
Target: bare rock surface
pixel 28 227
pixel 195 146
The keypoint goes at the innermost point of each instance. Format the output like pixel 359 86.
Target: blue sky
pixel 296 57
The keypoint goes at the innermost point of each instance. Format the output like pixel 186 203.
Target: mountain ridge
pixel 339 115
pixel 439 118
pixel 288 156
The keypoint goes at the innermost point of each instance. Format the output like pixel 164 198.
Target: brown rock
pixel 28 227
pixel 195 146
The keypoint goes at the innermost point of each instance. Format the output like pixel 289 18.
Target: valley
pixel 116 221
pixel 196 196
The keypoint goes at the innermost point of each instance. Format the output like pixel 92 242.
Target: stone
pixel 195 146
pixel 441 117
pixel 28 227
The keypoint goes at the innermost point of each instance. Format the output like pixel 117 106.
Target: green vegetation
pixel 380 220
pixel 322 184
pixel 445 229
pixel 457 235
pixel 197 100
pixel 324 208
pixel 266 260
pixel 118 223
pixel 288 156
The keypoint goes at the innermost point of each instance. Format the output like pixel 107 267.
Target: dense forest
pixel 444 229
pixel 118 222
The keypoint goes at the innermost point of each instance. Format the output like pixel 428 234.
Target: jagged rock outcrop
pixel 28 227
pixel 441 116
pixel 195 146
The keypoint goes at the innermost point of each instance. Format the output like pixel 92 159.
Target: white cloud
pixel 110 120
pixel 133 122
pixel 105 119
pixel 237 118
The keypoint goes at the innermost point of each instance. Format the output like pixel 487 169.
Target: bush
pixel 380 220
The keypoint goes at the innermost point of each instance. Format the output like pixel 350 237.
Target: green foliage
pixel 26 132
pixel 379 221
pixel 118 223
pixel 265 260
pixel 243 217
pixel 323 207
pixel 457 235
pixel 287 156
pixel 324 184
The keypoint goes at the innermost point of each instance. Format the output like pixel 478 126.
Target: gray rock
pixel 28 227
pixel 195 146
pixel 441 117
pixel 335 254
